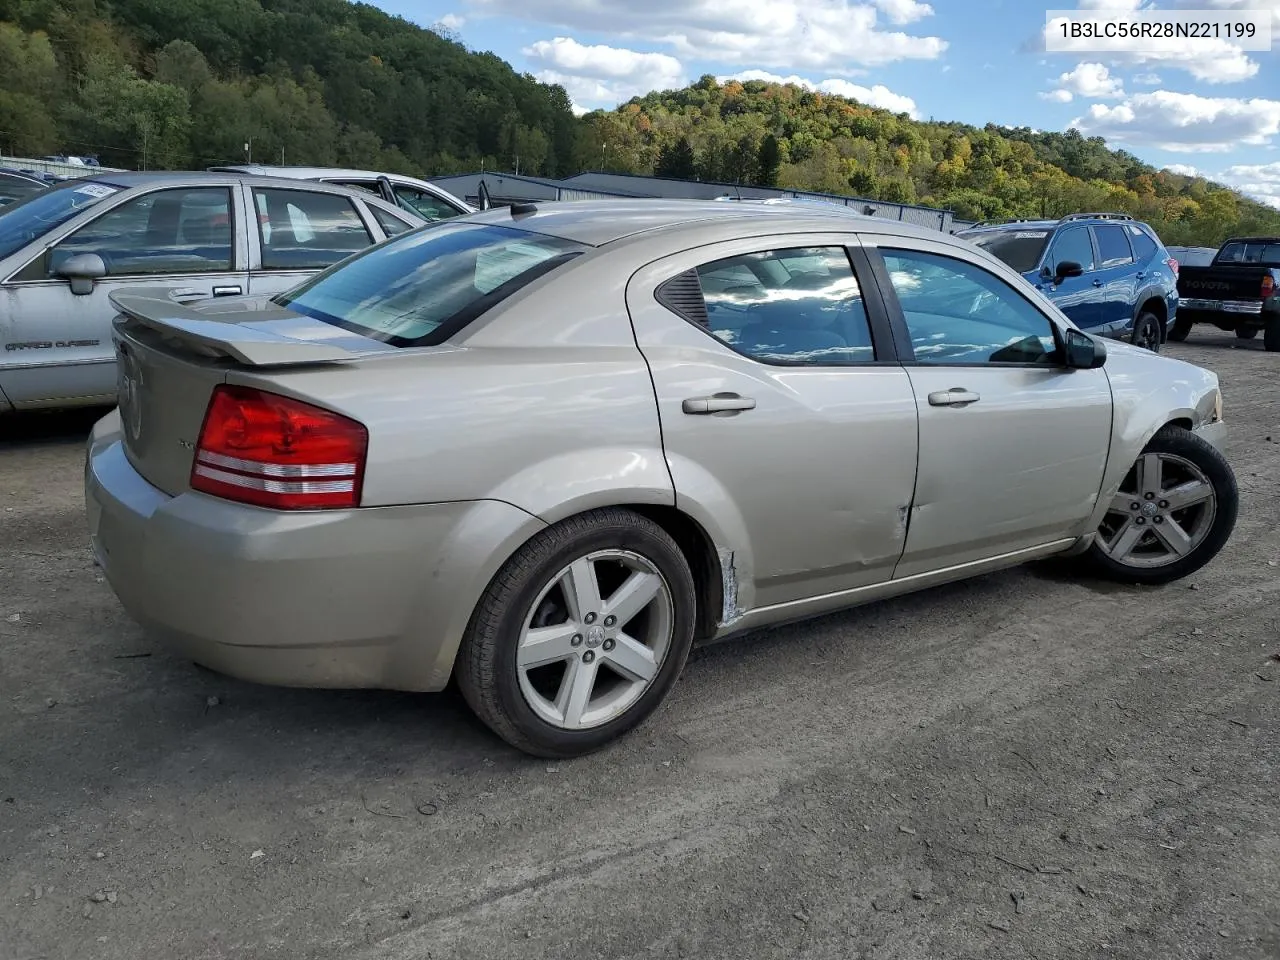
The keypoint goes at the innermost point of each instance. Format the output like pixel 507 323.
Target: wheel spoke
pixel 1126 539
pixel 575 691
pixel 1188 494
pixel 1147 478
pixel 1122 503
pixel 636 593
pixel 582 589
pixel 1173 536
pixel 632 658
pixel 543 645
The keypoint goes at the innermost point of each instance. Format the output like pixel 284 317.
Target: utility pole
pixel 248 150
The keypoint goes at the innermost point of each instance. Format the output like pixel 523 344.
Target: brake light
pixel 1173 265
pixel 1268 286
pixel 273 451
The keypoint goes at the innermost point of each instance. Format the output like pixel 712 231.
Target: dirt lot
pixel 1019 766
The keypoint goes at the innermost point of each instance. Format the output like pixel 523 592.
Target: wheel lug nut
pixel 610 620
pixel 1134 506
pixel 1159 519
pixel 1150 496
pixel 1140 521
pixel 577 640
pixel 609 644
pixel 588 656
pixel 590 618
pixel 1164 504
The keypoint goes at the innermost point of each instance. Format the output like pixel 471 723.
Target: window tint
pixel 426 205
pixel 302 230
pixel 788 306
pixel 1113 246
pixel 165 232
pixel 419 287
pixel 1144 248
pixel 1253 251
pixel 1020 249
pixel 959 313
pixel 1072 244
pixel 391 225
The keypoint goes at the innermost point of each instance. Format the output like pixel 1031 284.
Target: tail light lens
pixel 1268 286
pixel 273 451
pixel 1173 265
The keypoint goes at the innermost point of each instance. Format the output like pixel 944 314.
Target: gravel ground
pixel 1024 765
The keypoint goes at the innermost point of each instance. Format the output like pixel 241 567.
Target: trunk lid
pixel 1242 282
pixel 169 358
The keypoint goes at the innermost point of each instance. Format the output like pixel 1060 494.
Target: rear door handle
pixel 1097 283
pixel 230 291
pixel 955 397
pixel 717 403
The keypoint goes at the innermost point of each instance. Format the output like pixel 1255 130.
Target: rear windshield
pixel 422 287
pixel 1253 251
pixel 1020 249
pixel 29 219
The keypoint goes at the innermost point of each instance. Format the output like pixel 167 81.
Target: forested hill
pixel 787 136
pixel 185 83
pixel 176 83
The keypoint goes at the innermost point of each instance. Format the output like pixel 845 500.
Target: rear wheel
pixel 1178 332
pixel 1246 333
pixel 1173 513
pixel 581 635
pixel 1146 331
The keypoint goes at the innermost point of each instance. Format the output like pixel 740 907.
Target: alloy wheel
pixel 1164 510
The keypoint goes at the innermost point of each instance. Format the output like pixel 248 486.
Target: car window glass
pixel 302 230
pixel 164 232
pixel 17 188
pixel 1020 249
pixel 391 225
pixel 788 306
pixel 1251 252
pixel 1113 246
pixel 1072 244
pixel 1144 248
pixel 364 186
pixel 959 313
pixel 426 205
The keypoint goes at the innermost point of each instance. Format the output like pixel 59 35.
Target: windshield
pixel 1263 253
pixel 1020 249
pixel 32 218
pixel 421 287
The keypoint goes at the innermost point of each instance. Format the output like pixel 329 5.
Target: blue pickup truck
pixel 1106 271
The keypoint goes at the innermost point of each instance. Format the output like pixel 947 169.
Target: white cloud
pixel 1183 122
pixel 1093 81
pixel 602 75
pixel 1260 181
pixel 1057 96
pixel 1183 170
pixel 1147 79
pixel 829 35
pixel 875 96
pixel 452 21
pixel 904 11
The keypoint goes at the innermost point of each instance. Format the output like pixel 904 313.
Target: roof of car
pixel 597 222
pixel 310 173
pixel 128 179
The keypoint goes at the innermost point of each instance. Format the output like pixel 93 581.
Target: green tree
pixel 676 160
pixel 770 161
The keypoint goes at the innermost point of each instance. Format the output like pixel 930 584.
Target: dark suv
pixel 1106 271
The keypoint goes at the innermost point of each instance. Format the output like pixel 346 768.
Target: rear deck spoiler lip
pixel 248 344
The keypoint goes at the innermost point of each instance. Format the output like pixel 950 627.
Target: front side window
pixel 29 219
pixel 791 306
pixel 306 230
pixel 1113 246
pixel 959 313
pixel 424 204
pixel 420 288
pixel 1072 245
pixel 183 231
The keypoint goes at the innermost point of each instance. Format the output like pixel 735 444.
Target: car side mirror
pixel 1067 268
pixel 1081 351
pixel 83 270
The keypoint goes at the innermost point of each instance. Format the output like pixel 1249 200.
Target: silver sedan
pixel 546 451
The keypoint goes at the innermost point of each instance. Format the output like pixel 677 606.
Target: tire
pixel 528 704
pixel 1271 334
pixel 1182 458
pixel 1146 331
pixel 1178 332
pixel 1246 333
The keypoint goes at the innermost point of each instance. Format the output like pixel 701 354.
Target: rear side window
pixel 391 225
pixel 421 288
pixel 1113 246
pixel 1144 248
pixel 306 230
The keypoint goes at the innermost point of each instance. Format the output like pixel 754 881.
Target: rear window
pixel 1020 249
pixel 422 287
pixel 1254 251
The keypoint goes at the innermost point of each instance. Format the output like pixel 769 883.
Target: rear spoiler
pixel 242 336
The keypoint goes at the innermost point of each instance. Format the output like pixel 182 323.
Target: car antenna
pixel 523 209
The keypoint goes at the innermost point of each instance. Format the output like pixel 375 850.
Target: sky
pixel 1193 107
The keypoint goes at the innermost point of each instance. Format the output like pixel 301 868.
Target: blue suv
pixel 1106 271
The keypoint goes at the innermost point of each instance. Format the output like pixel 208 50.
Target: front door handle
pixel 1097 283
pixel 955 397
pixel 234 290
pixel 717 403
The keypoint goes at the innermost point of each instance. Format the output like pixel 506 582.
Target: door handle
pixel 955 397
pixel 230 291
pixel 1097 283
pixel 1140 274
pixel 717 403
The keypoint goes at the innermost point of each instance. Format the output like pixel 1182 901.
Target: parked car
pixel 544 450
pixel 419 197
pixel 64 250
pixel 1239 290
pixel 15 185
pixel 1106 271
pixel 1192 256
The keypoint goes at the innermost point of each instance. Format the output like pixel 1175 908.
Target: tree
pixel 676 160
pixel 770 161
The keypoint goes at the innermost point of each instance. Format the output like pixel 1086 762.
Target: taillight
pixel 1268 286
pixel 1173 265
pixel 273 451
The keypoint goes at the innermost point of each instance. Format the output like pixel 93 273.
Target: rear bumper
pixel 374 597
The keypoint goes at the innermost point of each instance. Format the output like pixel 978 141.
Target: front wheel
pixel 1173 513
pixel 1146 331
pixel 1179 331
pixel 581 635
